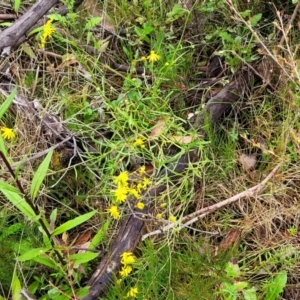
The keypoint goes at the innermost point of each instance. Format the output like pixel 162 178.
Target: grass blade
pixel 40 175
pixel 6 104
pixel 73 223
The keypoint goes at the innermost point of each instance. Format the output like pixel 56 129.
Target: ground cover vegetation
pixel 109 121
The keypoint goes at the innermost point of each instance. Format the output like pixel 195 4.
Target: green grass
pixel 109 110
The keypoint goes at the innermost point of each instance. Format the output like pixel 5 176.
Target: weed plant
pixel 60 214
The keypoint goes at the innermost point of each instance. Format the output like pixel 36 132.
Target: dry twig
pixel 199 214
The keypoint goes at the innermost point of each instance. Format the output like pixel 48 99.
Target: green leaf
pixel 92 23
pixel 250 294
pixel 81 258
pixel 226 37
pixel 255 19
pixel 53 217
pixel 8 187
pixel 97 239
pixel 73 223
pixel 32 253
pixel 275 287
pixel 2 146
pixel 6 104
pixel 18 202
pixel 17 5
pixel 16 287
pixel 40 175
pixel 44 260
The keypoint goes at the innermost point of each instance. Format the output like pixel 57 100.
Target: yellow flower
pixel 158 216
pixel 127 258
pixel 152 57
pixel 47 32
pixel 7 133
pixel 142 170
pixel 132 292
pixel 126 270
pixel 140 205
pixel 146 182
pixel 172 219
pixel 122 178
pixel 143 58
pixel 167 64
pixel 121 193
pixel 135 193
pixel 139 143
pixel 114 212
pixel 139 187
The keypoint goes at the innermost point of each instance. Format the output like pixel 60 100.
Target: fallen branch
pixel 131 231
pixel 199 214
pixel 11 35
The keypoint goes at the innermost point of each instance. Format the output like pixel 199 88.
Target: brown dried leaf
pixel 182 139
pixel 247 161
pixel 83 238
pixel 158 128
pixel 230 240
pixel 92 7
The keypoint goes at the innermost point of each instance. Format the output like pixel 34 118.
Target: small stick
pixel 199 214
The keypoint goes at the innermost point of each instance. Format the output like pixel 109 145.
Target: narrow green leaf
pixel 81 258
pixel 73 223
pixel 6 104
pixel 19 203
pixel 53 217
pixel 8 187
pixel 44 260
pixel 17 5
pixel 16 287
pixel 32 253
pixel 2 146
pixel 97 239
pixel 40 175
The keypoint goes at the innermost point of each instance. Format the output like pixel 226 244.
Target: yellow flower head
pixel 139 187
pixel 172 219
pixel 142 170
pixel 47 32
pixel 121 193
pixel 132 292
pixel 139 143
pixel 146 182
pixel 135 193
pixel 127 258
pixel 7 133
pixel 158 216
pixel 126 270
pixel 140 205
pixel 122 178
pixel 114 212
pixel 152 57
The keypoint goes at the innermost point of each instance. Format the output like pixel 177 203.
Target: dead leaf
pixel 182 139
pixel 230 240
pixel 67 60
pixel 92 7
pixel 247 161
pixel 83 238
pixel 159 126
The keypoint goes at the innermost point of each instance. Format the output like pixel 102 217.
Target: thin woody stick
pixel 199 214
